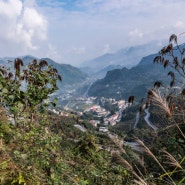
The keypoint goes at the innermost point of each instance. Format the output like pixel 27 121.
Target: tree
pixel 25 89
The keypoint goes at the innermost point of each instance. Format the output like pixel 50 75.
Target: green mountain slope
pixel 70 74
pixel 121 83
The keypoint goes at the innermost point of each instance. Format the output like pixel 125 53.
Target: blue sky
pixel 73 31
pixel 65 4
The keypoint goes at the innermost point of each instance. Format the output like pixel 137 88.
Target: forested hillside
pixel 120 83
pixel 39 147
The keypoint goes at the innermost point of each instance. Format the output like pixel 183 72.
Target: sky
pixel 74 31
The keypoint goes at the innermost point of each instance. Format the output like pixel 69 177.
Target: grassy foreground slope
pixel 53 151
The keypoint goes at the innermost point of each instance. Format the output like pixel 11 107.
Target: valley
pixel 99 111
pixel 92 92
pixel 100 129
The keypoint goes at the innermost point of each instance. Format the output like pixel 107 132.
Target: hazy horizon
pixel 74 31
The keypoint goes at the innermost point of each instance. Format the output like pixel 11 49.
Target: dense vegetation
pixel 166 145
pixel 41 147
pixel 45 148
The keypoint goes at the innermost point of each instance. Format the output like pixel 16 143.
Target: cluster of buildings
pixel 101 116
pixel 107 118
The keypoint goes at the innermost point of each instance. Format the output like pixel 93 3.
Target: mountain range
pixel 117 75
pixel 122 83
pixel 127 57
pixel 70 75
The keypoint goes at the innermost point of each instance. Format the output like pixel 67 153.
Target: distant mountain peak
pixel 70 74
pixel 127 57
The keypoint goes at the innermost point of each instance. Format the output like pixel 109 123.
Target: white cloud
pixel 10 9
pixel 121 23
pixel 180 24
pixel 23 27
pixel 79 50
pixel 106 48
pixel 34 23
pixel 80 30
pixel 53 53
pixel 136 33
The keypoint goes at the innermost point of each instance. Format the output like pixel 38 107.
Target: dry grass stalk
pixel 117 142
pixel 139 182
pixel 139 171
pixel 130 168
pixel 123 161
pixel 153 156
pixel 160 101
pixel 172 161
pixel 180 130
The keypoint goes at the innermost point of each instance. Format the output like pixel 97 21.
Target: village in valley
pixel 98 114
